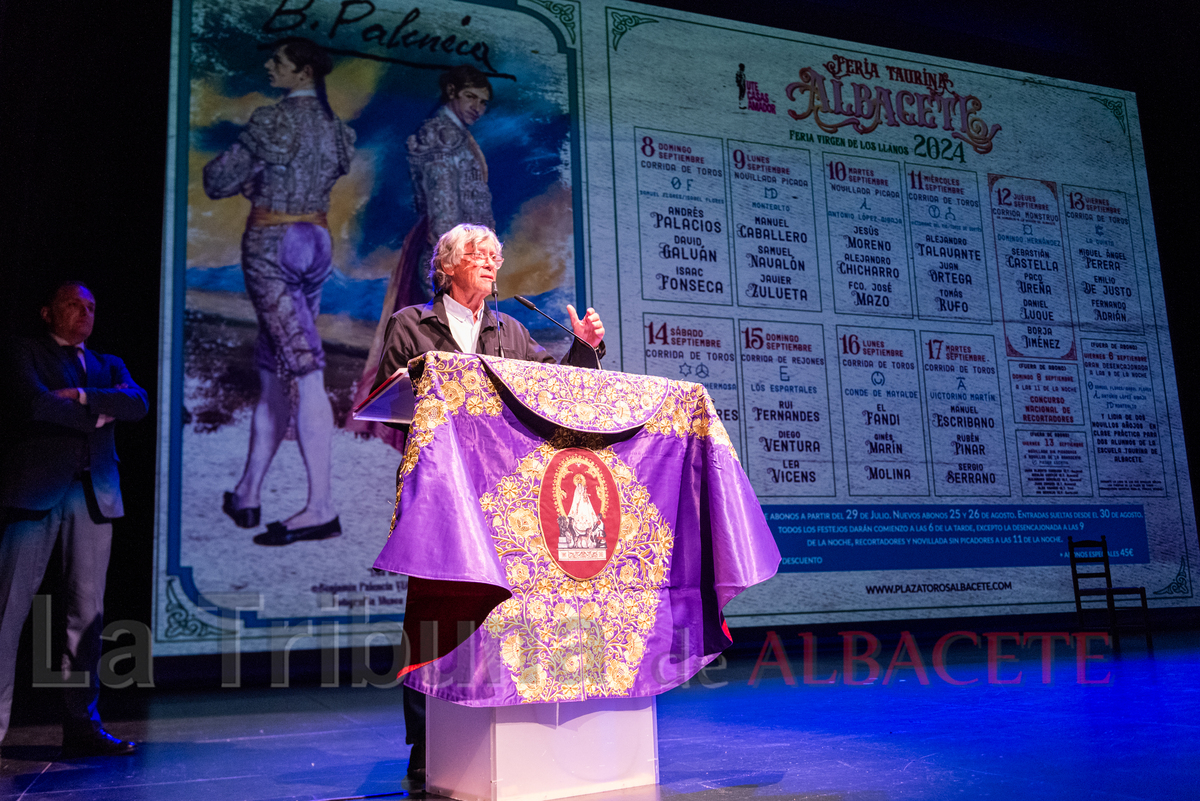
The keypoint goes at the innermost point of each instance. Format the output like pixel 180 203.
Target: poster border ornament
pixel 1116 107
pixel 1180 585
pixel 621 24
pixel 183 622
pixel 564 12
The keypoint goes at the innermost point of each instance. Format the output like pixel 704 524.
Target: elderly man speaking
pixel 463 269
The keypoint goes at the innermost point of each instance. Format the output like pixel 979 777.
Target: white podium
pixel 534 752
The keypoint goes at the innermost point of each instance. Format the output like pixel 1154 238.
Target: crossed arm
pixel 82 409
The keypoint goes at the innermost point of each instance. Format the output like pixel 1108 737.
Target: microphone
pixel 527 303
pixel 499 320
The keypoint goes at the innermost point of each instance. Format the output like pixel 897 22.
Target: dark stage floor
pixel 1134 737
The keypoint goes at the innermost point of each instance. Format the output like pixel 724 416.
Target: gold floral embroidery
pixel 687 410
pixel 448 383
pixel 523 523
pixel 563 639
pixel 581 399
pixel 585 403
pixel 454 395
pixel 560 638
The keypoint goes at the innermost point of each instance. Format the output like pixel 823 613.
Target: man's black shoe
pixel 416 763
pixel 279 534
pixel 246 517
pixel 95 743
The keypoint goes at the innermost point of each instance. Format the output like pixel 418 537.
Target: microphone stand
pixel 499 322
pixel 527 303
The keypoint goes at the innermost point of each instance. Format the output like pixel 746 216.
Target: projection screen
pixel 924 296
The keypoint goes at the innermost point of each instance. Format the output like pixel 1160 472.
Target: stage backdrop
pixel 924 295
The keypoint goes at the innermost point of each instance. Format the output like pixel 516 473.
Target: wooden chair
pixel 1086 572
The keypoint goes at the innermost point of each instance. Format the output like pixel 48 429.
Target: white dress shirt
pixel 464 324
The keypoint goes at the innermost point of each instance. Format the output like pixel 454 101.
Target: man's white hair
pixel 448 252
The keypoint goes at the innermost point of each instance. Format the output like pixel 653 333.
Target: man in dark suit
pixel 60 485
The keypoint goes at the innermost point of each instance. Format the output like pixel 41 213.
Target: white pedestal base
pixel 534 752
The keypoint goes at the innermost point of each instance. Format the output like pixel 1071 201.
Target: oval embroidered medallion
pixel 580 512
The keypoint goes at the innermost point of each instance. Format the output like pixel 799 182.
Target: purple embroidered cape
pixel 595 522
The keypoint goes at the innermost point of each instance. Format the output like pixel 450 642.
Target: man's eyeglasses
pixel 482 258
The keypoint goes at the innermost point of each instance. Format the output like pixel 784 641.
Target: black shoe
pixel 279 534
pixel 416 763
pixel 95 743
pixel 247 517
